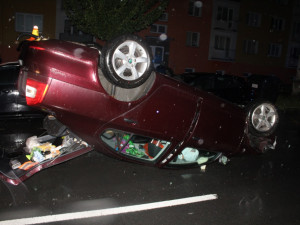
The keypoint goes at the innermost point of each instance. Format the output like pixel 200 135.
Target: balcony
pixel 222 55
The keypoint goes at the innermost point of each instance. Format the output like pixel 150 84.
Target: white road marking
pixel 109 211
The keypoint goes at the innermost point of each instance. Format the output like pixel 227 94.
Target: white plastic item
pixel 189 154
pixel 32 142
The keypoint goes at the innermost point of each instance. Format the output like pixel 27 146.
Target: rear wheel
pixel 126 61
pixel 262 118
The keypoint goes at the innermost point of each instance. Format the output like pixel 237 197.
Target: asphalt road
pixel 251 189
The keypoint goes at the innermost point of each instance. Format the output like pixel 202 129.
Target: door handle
pixel 133 122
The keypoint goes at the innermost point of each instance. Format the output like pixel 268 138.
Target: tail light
pixel 35 91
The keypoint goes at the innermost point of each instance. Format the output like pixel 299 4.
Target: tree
pixel 106 19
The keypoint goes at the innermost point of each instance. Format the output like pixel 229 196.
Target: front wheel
pixel 126 61
pixel 262 118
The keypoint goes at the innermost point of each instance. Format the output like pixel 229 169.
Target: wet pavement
pixel 251 189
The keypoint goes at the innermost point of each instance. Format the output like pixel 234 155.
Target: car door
pixel 166 114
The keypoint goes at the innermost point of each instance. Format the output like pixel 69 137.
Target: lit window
pixel 194 8
pixel 25 22
pixel 192 39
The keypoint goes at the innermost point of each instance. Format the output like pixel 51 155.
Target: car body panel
pixel 52 57
pixel 216 119
pixel 181 116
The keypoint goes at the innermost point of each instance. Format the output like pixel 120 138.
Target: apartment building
pixel 264 38
pixel 294 37
pixel 237 37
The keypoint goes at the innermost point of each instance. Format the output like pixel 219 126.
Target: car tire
pixel 126 61
pixel 262 118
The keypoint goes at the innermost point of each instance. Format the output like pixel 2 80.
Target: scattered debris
pixel 14 163
pixel 27 165
pixel 202 160
pixel 273 146
pixel 223 160
pixel 37 152
pixel 189 154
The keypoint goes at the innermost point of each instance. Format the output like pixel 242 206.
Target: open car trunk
pixel 57 146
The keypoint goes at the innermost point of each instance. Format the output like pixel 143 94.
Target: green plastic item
pixel 133 151
pixel 29 157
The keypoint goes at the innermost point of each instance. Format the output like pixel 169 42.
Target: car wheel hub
pixel 264 117
pixel 130 60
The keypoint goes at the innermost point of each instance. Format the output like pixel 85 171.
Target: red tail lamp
pixel 35 91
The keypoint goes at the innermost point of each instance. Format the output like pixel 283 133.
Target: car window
pixel 191 155
pixel 132 145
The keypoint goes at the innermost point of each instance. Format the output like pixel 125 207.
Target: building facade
pixel 238 37
pixel 19 16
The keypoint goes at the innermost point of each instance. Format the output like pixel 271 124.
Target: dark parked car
pixel 238 90
pixel 264 87
pixel 11 103
pixel 111 100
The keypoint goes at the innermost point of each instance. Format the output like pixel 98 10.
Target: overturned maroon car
pixel 111 100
